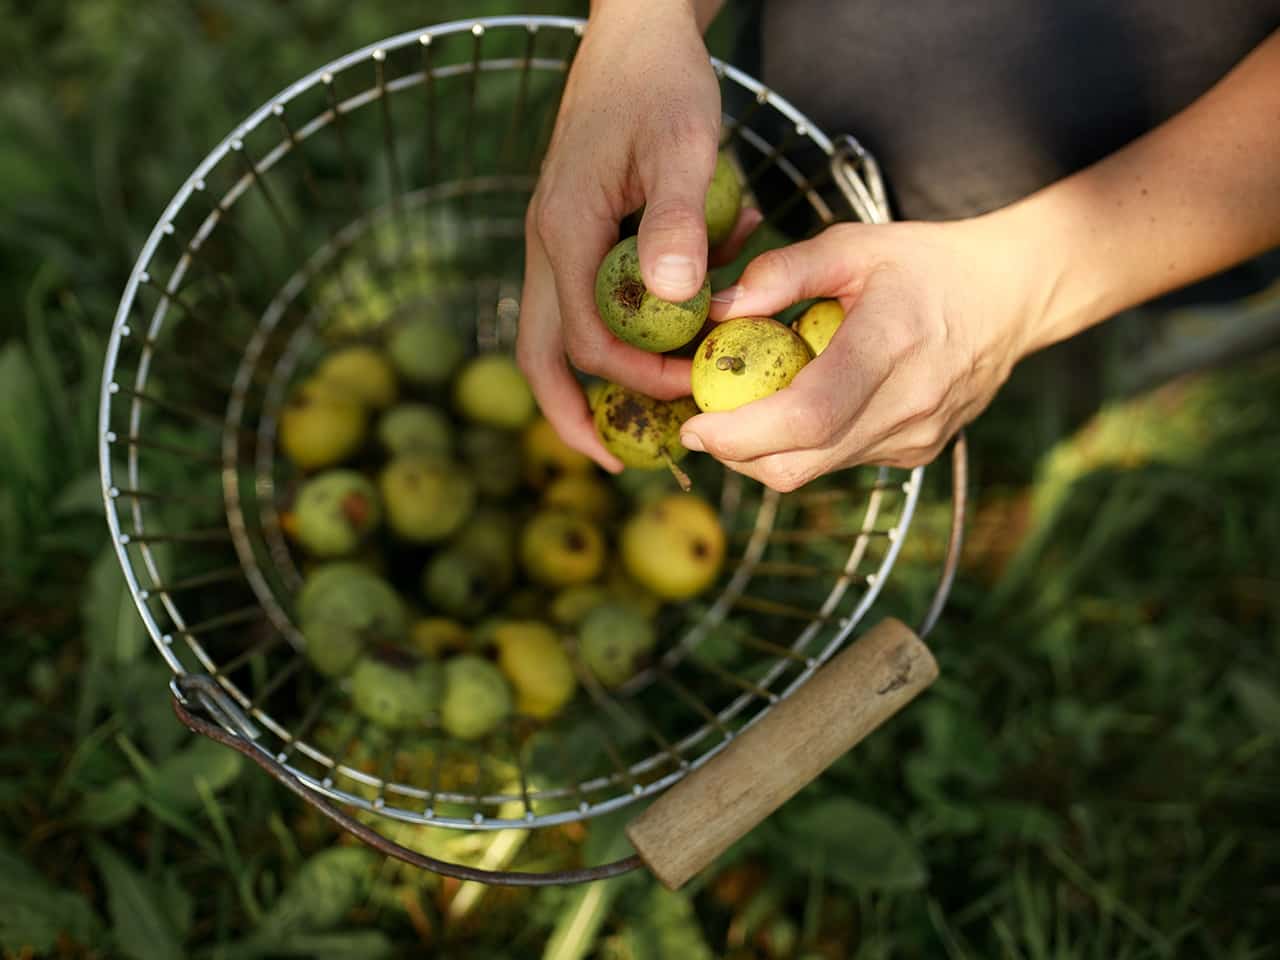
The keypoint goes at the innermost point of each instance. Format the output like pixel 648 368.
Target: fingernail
pixel 692 442
pixel 727 295
pixel 674 271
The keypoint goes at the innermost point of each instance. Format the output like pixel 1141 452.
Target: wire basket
pixel 396 179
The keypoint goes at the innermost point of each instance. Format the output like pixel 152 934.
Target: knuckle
pixel 687 131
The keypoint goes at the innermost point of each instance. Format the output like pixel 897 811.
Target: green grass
pixel 1095 775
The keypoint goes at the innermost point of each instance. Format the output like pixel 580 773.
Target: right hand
pixel 638 126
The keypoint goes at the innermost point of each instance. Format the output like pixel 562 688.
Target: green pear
pixel 724 201
pixel 426 499
pixel 492 391
pixel 477 697
pixel 415 428
pixel 426 351
pixel 638 317
pixel 335 512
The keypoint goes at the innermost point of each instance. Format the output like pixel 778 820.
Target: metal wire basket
pixel 396 178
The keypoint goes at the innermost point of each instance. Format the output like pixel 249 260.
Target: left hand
pixel 936 317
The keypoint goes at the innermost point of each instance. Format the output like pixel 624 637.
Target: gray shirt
pixel 969 106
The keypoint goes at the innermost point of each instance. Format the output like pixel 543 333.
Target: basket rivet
pixel 872 579
pixel 379 802
pixel 282 757
pixel 773 697
pixel 327 783
pixel 637 789
pixel 380 55
pixel 578 30
pixel 198 185
pixel 802 130
pixel 144 594
pixel 277 109
pixel 583 806
pixel 237 145
pixel 167 639
pixel 477 30
pixel 906 487
pixel 892 534
pixel 528 816
pixel 425 40
pixel 125 330
pixel 326 79
pixel 110 436
pixel 810 662
pixel 429 812
pixel 114 493
pixel 531 28
pixel 477 818
pixel 113 387
pixel 144 277
pixel 684 764
pixel 124 540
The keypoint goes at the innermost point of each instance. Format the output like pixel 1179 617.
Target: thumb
pixel 832 264
pixel 673 231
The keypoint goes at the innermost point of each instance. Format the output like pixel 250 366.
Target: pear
pixel 426 351
pixel 614 640
pixel 571 604
pixel 819 323
pixel 362 373
pixel 439 636
pixel 642 432
pixel 560 549
pixel 490 537
pixel 459 584
pixel 492 391
pixel 744 360
pixel 426 499
pixel 321 426
pixel 334 512
pixel 476 697
pixel 674 547
pixel 352 597
pixel 332 648
pixel 547 457
pixel 724 201
pixel 584 494
pixel 415 428
pixel 395 689
pixel 638 317
pixel 494 459
pixel 536 664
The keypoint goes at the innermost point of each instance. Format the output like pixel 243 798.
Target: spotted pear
pixel 724 201
pixel 637 316
pixel 744 360
pixel 642 432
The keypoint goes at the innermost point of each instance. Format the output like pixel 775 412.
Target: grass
pixel 1095 775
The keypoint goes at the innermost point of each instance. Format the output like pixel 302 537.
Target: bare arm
pixel 939 313
pixel 1196 195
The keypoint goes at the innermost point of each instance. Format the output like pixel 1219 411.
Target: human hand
pixel 638 126
pixel 935 321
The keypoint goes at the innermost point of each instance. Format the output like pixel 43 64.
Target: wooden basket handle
pixel 700 817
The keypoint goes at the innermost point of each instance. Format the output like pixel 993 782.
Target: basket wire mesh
pixel 395 179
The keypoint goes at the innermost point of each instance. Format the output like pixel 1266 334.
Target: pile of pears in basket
pixel 462 566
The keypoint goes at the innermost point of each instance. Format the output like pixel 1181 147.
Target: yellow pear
pixel 744 360
pixel 535 662
pixel 560 549
pixel 674 547
pixel 818 324
pixel 362 373
pixel 320 427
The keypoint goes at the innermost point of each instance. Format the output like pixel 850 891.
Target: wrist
pixel 1057 268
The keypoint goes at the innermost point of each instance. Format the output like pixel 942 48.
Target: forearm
pixel 1196 195
pixel 704 11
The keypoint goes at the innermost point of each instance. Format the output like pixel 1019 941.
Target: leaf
pixel 81 495
pixel 1259 701
pixel 22 422
pixel 666 926
pixel 322 892
pixel 357 945
pixel 865 849
pixel 588 905
pixel 115 631
pixel 140 928
pixel 178 904
pixel 174 782
pixel 112 805
pixel 34 913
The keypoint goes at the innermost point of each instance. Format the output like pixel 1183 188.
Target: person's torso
pixel 969 106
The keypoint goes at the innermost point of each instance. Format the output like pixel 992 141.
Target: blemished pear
pixel 637 316
pixel 744 360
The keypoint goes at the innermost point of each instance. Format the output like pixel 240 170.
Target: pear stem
pixel 682 478
pixel 731 363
